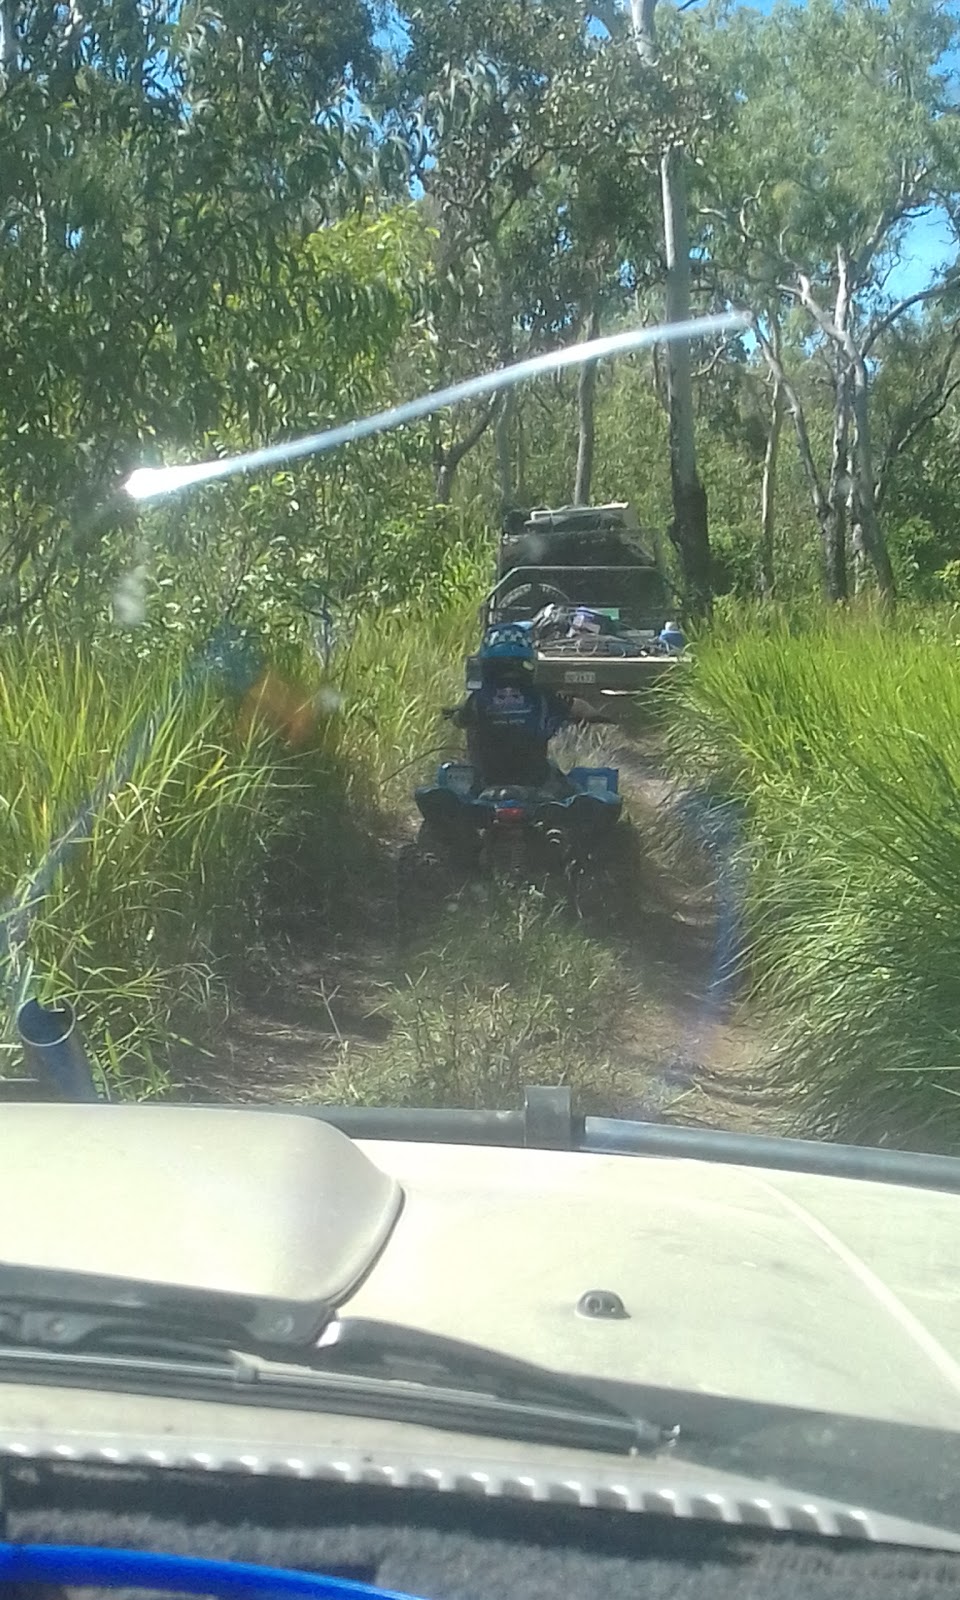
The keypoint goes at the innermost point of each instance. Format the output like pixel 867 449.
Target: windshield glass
pixel 371 736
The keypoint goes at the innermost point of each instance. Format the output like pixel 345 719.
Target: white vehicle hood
pixel 819 1293
pixel 822 1293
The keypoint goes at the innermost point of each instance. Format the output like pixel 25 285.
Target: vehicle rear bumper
pixel 566 672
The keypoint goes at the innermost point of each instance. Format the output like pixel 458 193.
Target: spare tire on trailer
pixel 549 548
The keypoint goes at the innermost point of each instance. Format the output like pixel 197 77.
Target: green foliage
pixel 840 736
pixel 162 283
pixel 838 107
pixel 396 673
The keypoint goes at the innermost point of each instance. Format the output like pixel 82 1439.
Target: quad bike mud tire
pixel 601 882
pixel 504 855
pixel 429 870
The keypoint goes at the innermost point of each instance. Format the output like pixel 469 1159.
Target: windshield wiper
pixel 157 1339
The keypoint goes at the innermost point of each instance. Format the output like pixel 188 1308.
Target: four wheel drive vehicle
pixel 519 831
pixel 474 1353
pixel 583 559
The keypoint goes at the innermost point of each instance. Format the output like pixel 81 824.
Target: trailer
pixel 558 564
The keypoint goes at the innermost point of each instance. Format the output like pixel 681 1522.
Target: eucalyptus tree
pixel 843 134
pixel 530 143
pixel 157 161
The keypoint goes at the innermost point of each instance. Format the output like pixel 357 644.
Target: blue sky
pixel 927 248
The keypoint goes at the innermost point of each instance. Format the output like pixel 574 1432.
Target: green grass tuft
pixel 507 993
pixel 841 735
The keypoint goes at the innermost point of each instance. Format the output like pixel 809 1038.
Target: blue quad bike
pixel 516 835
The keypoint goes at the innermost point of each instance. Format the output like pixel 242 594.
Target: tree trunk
pixel 873 540
pixel 768 496
pixel 502 435
pixel 447 458
pixel 689 528
pixel 853 395
pixel 825 508
pixel 443 488
pixel 520 434
pixel 857 548
pixel 504 426
pixel 828 511
pixel 586 396
pixel 833 534
pixel 834 527
pixel 9 52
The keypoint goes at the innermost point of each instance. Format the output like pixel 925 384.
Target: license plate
pixel 580 677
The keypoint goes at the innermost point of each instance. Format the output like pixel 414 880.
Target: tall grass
pixel 841 736
pixel 170 854
pixel 168 877
pixel 395 673
pixel 224 804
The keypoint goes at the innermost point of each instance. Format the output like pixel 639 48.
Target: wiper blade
pixel 569 1420
pixel 354 1365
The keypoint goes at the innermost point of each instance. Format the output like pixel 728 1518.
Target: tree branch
pixel 880 324
pixel 911 434
pixel 795 407
pixel 888 216
pixel 715 359
pixel 912 420
pixel 644 29
pixel 455 453
pixel 606 13
pixel 804 293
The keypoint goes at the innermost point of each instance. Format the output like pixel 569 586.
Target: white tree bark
pixel 689 530
pixel 855 382
pixel 679 380
pixel 824 508
pixel 586 395
pixel 9 53
pixel 768 494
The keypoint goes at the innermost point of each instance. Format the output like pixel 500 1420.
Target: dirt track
pixel 706 1054
pixel 698 1060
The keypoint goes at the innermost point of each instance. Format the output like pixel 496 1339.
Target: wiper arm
pixel 389 1352
pixel 139 1338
